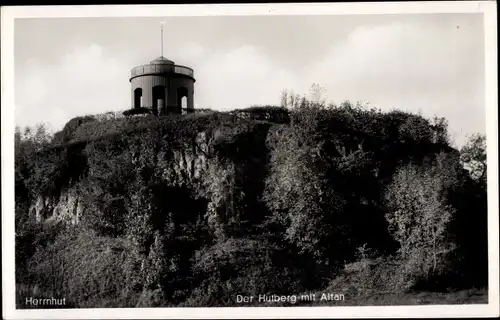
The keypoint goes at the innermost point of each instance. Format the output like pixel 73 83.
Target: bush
pixel 274 114
pixel 367 276
pixel 136 111
pixel 68 132
pixel 419 220
pixel 89 271
pixel 31 237
pixel 242 266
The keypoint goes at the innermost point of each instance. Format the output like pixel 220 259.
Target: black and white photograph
pixel 246 161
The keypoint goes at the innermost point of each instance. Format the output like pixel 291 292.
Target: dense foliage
pixel 191 210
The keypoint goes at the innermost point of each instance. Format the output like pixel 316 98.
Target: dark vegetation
pixel 136 111
pixel 191 210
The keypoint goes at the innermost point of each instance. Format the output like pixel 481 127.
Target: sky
pixel 432 64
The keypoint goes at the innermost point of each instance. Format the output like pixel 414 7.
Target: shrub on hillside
pixel 473 157
pixel 89 271
pixel 245 267
pixel 106 188
pixel 31 236
pixel 316 172
pixel 235 178
pixel 28 144
pixel 68 132
pixel 136 111
pixel 419 217
pixel 45 172
pixel 274 114
pixel 369 275
pixel 470 201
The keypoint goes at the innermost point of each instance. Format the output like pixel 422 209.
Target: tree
pixel 473 157
pixel 440 130
pixel 28 143
pixel 317 94
pixel 305 205
pixel 291 100
pixel 418 218
pixel 32 139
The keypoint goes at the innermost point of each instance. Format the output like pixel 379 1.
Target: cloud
pixel 240 78
pixel 191 52
pixel 431 70
pixel 85 81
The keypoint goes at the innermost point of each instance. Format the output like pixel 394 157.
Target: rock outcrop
pixel 209 166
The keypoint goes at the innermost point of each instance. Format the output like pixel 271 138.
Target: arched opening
pixel 158 99
pixel 182 94
pixel 137 98
pixel 184 102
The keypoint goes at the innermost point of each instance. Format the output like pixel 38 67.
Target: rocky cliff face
pixel 208 166
pixel 68 206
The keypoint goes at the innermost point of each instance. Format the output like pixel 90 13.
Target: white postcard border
pixel 8 15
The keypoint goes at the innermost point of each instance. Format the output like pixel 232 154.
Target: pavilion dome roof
pixel 162 60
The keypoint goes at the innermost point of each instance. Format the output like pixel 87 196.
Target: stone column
pixel 190 99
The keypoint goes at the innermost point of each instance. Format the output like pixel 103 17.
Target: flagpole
pixel 162 39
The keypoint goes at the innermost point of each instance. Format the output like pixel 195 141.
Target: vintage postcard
pixel 250 161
